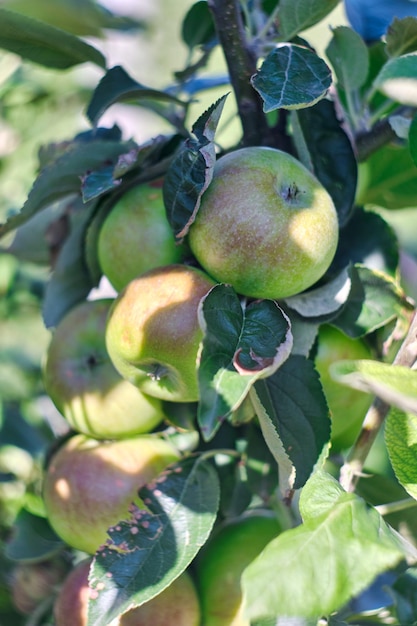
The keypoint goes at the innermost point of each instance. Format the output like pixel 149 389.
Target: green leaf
pixel 329 153
pixel 348 54
pixel 388 178
pixel 62 176
pixel 412 139
pixel 240 345
pixel 79 17
pixel 297 15
pixel 324 300
pixel 367 239
pixel 401 441
pixel 291 77
pixel 395 384
pixel 294 419
pixel 191 171
pixel 33 539
pixel 328 548
pixel 198 26
pixel 401 37
pixel 398 79
pixel 117 86
pixel 374 300
pixel 147 552
pixel 43 44
pixel 404 591
pixel 70 281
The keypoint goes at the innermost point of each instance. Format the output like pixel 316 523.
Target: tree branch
pixel 241 63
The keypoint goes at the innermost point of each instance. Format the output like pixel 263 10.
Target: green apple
pixel 177 605
pixel 266 225
pixel 153 333
pixel 222 561
pixel 89 484
pixel 136 236
pixel 347 406
pixel 83 383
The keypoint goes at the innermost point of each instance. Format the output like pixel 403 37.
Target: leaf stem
pixel 395 507
pixel 374 419
pixel 241 63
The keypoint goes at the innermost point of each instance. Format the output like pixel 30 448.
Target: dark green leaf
pixel 374 300
pixel 291 77
pixel 44 44
pixel 367 239
pixel 328 548
pixel 62 176
pixel 198 26
pixel 33 539
pixel 294 418
pixel 412 139
pixel 240 346
pixel 117 86
pixel 297 15
pixel 70 281
pixel 151 549
pixel 191 171
pixel 404 591
pixel 349 56
pixel 401 36
pixel 330 153
pixel 389 178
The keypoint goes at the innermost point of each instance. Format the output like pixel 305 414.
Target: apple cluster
pixel 265 226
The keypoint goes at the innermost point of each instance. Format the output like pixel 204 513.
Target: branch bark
pixel 241 64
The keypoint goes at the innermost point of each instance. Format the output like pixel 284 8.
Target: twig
pixel 352 469
pixel 241 63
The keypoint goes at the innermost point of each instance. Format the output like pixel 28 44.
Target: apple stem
pixel 241 62
pixel 352 470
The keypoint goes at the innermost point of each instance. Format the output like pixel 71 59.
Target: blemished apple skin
pixel 177 605
pixel 90 484
pixel 222 561
pixel 83 383
pixel 347 406
pixel 265 225
pixel 153 334
pixel 136 236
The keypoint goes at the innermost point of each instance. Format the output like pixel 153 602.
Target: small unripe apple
pixel 83 383
pixel 177 605
pixel 136 236
pixel 89 484
pixel 33 582
pixel 347 406
pixel 265 225
pixel 222 561
pixel 153 333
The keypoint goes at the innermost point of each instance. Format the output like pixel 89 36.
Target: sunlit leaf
pixel 328 548
pixel 151 549
pixel 240 345
pixel 44 44
pixel 398 79
pixel 291 77
pixel 401 439
pixel 395 384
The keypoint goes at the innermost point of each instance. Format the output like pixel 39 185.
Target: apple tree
pixel 247 276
